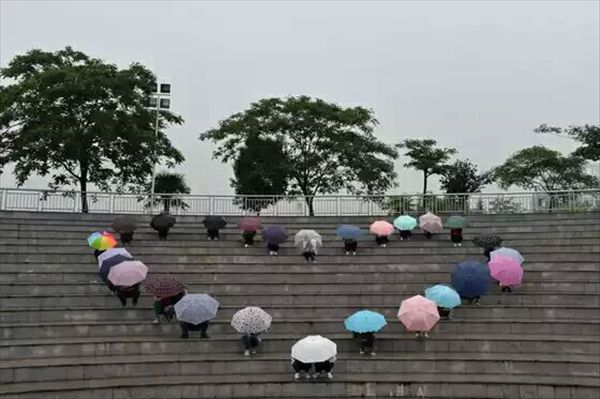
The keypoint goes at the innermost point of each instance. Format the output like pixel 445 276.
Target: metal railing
pixel 331 205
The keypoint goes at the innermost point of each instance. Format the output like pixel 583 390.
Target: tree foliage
pixel 261 168
pixel 166 187
pixel 329 148
pixel 80 121
pixel 587 135
pixel 426 157
pixel 540 168
pixel 463 177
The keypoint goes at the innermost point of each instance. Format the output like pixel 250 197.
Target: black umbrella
pixel 124 223
pixel 162 221
pixel 214 222
pixel 109 263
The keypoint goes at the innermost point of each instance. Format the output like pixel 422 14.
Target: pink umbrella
pixel 381 228
pixel 506 270
pixel 430 222
pixel 128 273
pixel 249 224
pixel 418 313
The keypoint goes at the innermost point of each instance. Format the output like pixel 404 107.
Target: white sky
pixel 478 76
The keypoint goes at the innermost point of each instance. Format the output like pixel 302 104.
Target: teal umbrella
pixel 443 296
pixel 456 222
pixel 405 222
pixel 365 321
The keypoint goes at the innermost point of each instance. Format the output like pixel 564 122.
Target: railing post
pixel 40 204
pixel 111 203
pixel 337 205
pixel 2 191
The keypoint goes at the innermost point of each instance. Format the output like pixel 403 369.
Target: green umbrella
pixel 456 222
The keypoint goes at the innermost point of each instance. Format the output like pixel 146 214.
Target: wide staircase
pixel 64 336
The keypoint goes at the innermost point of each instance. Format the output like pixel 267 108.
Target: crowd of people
pixel 123 275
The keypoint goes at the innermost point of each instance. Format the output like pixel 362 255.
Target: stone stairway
pixel 64 336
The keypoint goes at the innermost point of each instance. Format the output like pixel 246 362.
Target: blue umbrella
pixel 471 279
pixel 365 321
pixel 349 232
pixel 443 296
pixel 274 234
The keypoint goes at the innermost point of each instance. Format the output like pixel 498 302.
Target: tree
pixel 166 184
pixel 81 121
pixel 329 148
pixel 426 157
pixel 261 168
pixel 463 177
pixel 540 168
pixel 587 135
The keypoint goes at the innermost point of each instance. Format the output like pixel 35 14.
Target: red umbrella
pixel 249 224
pixel 164 285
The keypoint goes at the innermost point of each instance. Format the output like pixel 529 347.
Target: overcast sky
pixel 478 76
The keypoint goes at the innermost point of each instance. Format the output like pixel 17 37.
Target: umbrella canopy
pixel 109 253
pixel 471 279
pixel 487 241
pixel 456 222
pixel 124 223
pixel 365 321
pixel 214 222
pixel 249 224
pixel 101 241
pixel 303 237
pixel 405 222
pixel 430 223
pixel 196 308
pixel 127 273
pixel 506 270
pixel 251 320
pixel 164 285
pixel 443 296
pixel 314 349
pixel 111 262
pixel 381 228
pixel 507 253
pixel 349 232
pixel 162 221
pixel 418 313
pixel 274 234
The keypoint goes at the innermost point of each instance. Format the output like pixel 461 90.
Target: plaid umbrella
pixel 127 273
pixel 110 263
pixel 109 253
pixel 162 221
pixel 214 222
pixel 164 285
pixel 314 349
pixel 487 241
pixel 251 320
pixel 196 308
pixel 124 223
pixel 249 224
pixel 456 222
pixel 274 234
pixel 101 241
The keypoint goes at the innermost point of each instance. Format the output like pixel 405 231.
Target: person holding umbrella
pixel 274 237
pixel 249 226
pixel 350 235
pixel 126 277
pixel 471 280
pixel 445 298
pixel 167 291
pixel 382 230
pixel 418 314
pixel 313 350
pixel 505 267
pixel 162 223
pixel 194 312
pixel 309 241
pixel 489 242
pixel 106 263
pixel 213 224
pixel 251 322
pixel 100 242
pixel 363 325
pixel 430 224
pixel 405 224
pixel 125 226
pixel 456 225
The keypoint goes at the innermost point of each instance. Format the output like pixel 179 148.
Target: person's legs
pixel 162 234
pixel 122 297
pixel 185 332
pixel 158 310
pixel 136 295
pixel 246 343
pixel 203 328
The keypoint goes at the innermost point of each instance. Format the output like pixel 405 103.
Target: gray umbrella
pixel 162 221
pixel 196 308
pixel 124 223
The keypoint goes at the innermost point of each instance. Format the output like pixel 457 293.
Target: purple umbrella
pixel 249 224
pixel 274 234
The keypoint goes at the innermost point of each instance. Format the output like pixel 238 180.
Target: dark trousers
pixel 326 367
pixel 444 312
pixel 98 252
pixel 428 235
pixel 309 255
pixel 366 341
pixel 187 327
pixel 299 366
pixel 506 289
pixel 212 233
pixel 457 239
pixel 472 301
pixel 350 245
pixel 248 237
pixel 126 236
pixel 163 233
pixel 405 234
pixel 250 341
pixel 273 247
pixel 487 251
pixel 380 240
pixel 133 292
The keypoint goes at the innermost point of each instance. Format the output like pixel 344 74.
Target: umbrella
pixel 164 285
pixel 274 234
pixel 124 223
pixel 487 241
pixel 162 221
pixel 418 313
pixel 251 320
pixel 249 224
pixel 111 262
pixel 471 279
pixel 349 232
pixel 214 222
pixel 109 253
pixel 443 296
pixel 430 223
pixel 456 222
pixel 405 222
pixel 101 241
pixel 305 236
pixel 365 321
pixel 506 270
pixel 314 349
pixel 381 228
pixel 508 253
pixel 196 308
pixel 127 273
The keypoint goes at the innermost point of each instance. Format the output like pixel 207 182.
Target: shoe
pixel 459 244
pixel 417 335
pixel 307 376
pixel 362 352
pixel 216 238
pixel 135 300
pixel 316 375
pixel 384 245
pixel 426 335
pixel 347 253
pixel 372 353
pixel 296 376
pixel 156 321
pixel 245 245
pixel 329 375
pixel 246 353
pixel 253 352
pixel 353 253
pixel 270 253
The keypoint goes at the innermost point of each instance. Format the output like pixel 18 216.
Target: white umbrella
pixel 251 320
pixel 303 237
pixel 314 349
pixel 196 308
pixel 128 273
pixel 430 223
pixel 109 253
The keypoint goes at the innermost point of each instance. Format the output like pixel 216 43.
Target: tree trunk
pixel 309 201
pixel 166 204
pixel 425 176
pixel 83 189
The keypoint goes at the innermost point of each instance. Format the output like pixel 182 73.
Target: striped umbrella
pixel 251 320
pixel 101 241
